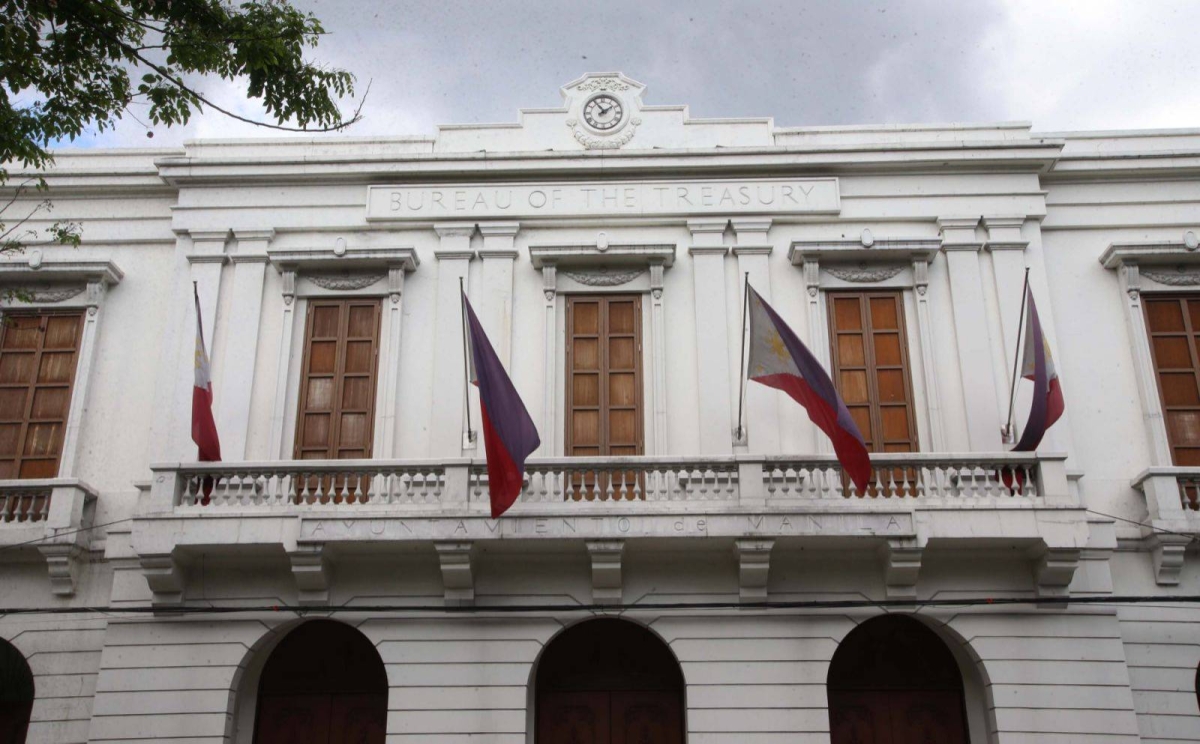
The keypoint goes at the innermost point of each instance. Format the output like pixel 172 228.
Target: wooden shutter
pixel 38 357
pixel 337 387
pixel 1174 323
pixel 870 367
pixel 604 375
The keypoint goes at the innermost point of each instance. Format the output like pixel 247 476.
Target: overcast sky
pixel 1099 64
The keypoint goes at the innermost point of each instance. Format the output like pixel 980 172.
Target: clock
pixel 603 113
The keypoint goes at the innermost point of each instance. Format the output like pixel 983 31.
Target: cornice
pixel 882 250
pixel 37 269
pixel 1148 253
pixel 1005 155
pixel 324 259
pixel 567 256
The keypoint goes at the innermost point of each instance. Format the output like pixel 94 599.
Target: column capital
pixel 498 229
pixel 708 250
pixel 958 233
pixel 751 224
pixel 254 235
pixel 708 225
pixel 1004 233
pixel 454 229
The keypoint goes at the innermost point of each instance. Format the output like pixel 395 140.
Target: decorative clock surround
pixel 603 110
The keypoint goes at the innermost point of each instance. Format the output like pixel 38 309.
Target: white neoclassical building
pixel 666 575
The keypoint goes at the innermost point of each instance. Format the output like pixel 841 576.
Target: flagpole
pixel 742 356
pixel 1012 395
pixel 462 306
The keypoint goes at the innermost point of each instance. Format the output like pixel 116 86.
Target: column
pixel 386 432
pixel 449 429
pixel 1147 377
pixel 97 288
pixel 236 376
pixel 712 337
pixel 549 432
pixel 971 332
pixel 495 297
pixel 933 398
pixel 658 350
pixel 279 448
pixel 761 419
pixel 818 337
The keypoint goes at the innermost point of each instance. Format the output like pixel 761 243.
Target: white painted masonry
pixel 677 211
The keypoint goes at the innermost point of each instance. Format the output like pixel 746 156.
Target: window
pixel 38 357
pixel 604 376
pixel 870 367
pixel 1174 323
pixel 337 384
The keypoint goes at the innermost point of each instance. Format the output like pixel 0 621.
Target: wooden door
pixel 38 357
pixel 337 391
pixel 292 719
pixel 355 719
pixel 604 386
pixel 896 717
pixel 871 371
pixel 646 718
pixel 573 718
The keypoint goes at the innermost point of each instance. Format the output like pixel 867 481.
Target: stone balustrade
pixel 53 517
pixel 612 482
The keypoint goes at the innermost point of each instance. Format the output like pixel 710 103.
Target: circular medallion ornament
pixel 603 113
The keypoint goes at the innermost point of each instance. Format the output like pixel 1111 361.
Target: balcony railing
pixel 51 516
pixel 612 482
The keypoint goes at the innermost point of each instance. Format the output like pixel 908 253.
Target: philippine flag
pixel 778 359
pixel 204 429
pixel 509 435
pixel 1038 365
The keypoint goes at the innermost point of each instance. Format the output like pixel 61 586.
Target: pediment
pixel 619 120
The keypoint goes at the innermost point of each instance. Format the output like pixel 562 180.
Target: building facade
pixel 685 562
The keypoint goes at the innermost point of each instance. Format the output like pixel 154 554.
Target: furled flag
pixel 1038 365
pixel 204 429
pixel 779 360
pixel 509 435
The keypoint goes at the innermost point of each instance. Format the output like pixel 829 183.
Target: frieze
pixel 864 274
pixel 604 199
pixel 344 282
pixel 569 526
pixel 604 277
pixel 609 84
pixel 45 293
pixel 1180 277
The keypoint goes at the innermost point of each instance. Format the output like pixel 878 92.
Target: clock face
pixel 603 113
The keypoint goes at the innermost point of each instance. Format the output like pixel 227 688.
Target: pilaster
pixel 496 295
pixel 712 337
pixel 818 332
pixel 761 420
pixel 236 376
pixel 933 399
pixel 450 437
pixel 550 432
pixel 975 361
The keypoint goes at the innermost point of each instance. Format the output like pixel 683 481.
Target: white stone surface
pixel 983 201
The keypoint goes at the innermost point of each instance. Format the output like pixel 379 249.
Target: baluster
pixel 609 492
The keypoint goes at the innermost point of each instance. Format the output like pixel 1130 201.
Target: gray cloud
pixel 1091 65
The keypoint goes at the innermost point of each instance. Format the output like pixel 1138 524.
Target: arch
pixel 16 694
pixel 608 680
pixel 322 682
pixel 894 679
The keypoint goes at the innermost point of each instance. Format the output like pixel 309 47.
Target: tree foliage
pixel 70 66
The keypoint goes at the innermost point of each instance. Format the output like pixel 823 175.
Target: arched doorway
pixel 893 681
pixel 323 684
pixel 608 681
pixel 16 695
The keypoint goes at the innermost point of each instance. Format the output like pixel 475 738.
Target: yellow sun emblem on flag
pixel 778 348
